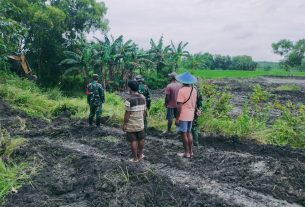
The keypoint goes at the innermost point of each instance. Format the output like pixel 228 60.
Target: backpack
pixel 94 96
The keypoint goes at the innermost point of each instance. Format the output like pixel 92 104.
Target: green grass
pixel 288 87
pixel 28 97
pixel 216 74
pixel 12 175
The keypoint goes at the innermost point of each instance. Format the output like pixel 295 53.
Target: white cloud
pixel 233 27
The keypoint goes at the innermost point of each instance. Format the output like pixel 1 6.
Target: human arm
pixel 167 96
pixel 179 105
pixel 101 94
pixel 148 100
pixel 126 119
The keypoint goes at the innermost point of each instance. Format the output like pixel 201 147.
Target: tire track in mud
pixel 237 196
pixel 185 173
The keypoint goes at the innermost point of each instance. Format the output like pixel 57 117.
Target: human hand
pixel 124 127
pixel 199 112
pixel 177 122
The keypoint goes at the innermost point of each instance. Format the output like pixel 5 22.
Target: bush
pixel 154 81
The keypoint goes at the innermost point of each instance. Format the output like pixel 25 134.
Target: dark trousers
pixel 95 110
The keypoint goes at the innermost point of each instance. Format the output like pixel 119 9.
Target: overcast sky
pixel 227 27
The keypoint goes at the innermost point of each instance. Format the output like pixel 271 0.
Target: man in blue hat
pixel 186 105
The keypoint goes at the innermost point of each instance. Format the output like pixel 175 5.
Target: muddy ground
pixel 241 90
pixel 84 166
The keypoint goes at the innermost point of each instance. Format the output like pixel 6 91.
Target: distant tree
pixel 293 53
pixel 222 62
pixel 243 63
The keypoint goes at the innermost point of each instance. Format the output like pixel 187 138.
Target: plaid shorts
pixel 171 113
pixel 135 136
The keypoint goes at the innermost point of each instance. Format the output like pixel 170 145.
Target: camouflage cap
pixel 172 75
pixel 139 78
pixel 95 76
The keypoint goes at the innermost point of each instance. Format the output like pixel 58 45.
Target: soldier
pixel 144 90
pixel 198 110
pixel 95 98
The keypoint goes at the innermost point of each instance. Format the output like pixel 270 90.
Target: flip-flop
pixel 142 157
pixel 182 154
pixel 133 161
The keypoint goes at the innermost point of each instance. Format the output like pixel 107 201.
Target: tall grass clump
pixel 28 97
pixel 216 118
pixel 156 115
pixel 12 175
pixel 289 128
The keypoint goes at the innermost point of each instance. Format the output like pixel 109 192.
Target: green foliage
pixel 8 144
pixel 289 129
pixel 293 53
pixel 11 32
pixel 156 116
pixel 12 175
pixel 52 27
pixel 155 81
pixel 209 61
pixel 27 97
pixel 243 63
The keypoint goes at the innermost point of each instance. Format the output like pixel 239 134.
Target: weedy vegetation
pixel 12 174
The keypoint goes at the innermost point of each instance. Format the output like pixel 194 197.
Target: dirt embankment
pixel 87 166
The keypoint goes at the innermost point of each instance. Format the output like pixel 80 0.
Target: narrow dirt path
pixel 85 166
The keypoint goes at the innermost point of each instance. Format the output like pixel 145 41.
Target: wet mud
pixel 84 166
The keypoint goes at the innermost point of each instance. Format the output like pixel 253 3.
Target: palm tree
pixel 177 54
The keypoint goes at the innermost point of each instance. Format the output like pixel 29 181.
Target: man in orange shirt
pixel 186 105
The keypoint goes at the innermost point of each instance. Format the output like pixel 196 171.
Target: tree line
pixel 53 36
pixel 212 62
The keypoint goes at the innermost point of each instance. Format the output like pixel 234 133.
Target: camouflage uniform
pixel 95 99
pixel 195 126
pixel 143 89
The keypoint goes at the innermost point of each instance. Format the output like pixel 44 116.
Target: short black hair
pixel 133 85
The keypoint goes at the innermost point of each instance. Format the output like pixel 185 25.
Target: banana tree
pixel 79 61
pixel 159 54
pixel 177 53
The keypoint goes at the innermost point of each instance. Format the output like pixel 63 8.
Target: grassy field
pixel 213 74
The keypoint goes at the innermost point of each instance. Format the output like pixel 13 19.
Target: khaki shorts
pixel 135 136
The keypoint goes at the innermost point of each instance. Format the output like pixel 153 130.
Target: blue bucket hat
pixel 186 78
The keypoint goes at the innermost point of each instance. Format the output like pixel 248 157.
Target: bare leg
pixel 190 142
pixel 141 148
pixel 134 150
pixel 185 141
